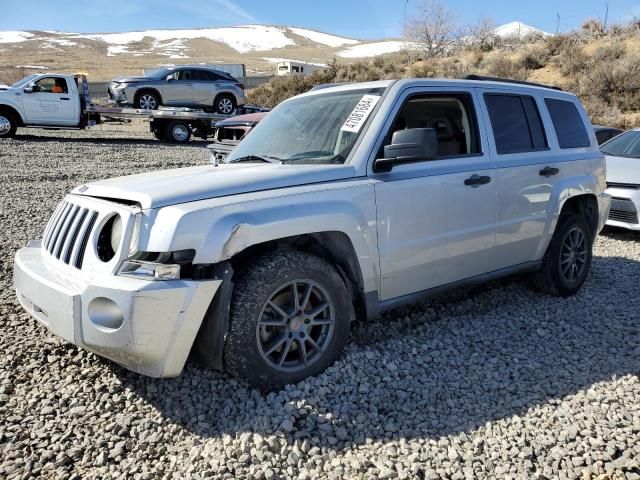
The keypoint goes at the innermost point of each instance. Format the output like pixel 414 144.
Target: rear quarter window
pixel 567 123
pixel 516 123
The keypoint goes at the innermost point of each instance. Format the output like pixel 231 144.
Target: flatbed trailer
pixel 26 106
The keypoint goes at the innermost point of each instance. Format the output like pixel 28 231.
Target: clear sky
pixel 366 19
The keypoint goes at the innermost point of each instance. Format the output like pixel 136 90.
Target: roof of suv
pixel 482 82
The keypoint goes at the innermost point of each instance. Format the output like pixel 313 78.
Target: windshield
pixel 159 73
pixel 24 81
pixel 624 145
pixel 320 128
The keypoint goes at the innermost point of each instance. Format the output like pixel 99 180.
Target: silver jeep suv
pixel 183 86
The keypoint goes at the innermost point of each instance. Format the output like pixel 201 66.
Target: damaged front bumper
pixel 145 326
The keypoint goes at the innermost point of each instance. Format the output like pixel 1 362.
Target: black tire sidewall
pixel 564 287
pixel 13 125
pixel 242 356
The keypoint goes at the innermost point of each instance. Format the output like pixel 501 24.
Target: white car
pixel 623 179
pixel 342 203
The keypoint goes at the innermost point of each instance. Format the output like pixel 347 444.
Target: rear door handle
pixel 65 98
pixel 476 180
pixel 549 171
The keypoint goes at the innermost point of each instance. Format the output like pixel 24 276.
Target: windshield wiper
pixel 253 158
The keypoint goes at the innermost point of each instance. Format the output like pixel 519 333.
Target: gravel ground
pixel 492 382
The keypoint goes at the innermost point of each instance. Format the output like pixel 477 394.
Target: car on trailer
pixel 180 86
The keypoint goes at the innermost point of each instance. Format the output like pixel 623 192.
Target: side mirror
pixel 32 87
pixel 408 146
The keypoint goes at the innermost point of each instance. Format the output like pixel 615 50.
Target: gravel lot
pixel 492 382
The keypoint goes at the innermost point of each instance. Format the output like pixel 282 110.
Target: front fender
pixel 218 233
pixel 12 101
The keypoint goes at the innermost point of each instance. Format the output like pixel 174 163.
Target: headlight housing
pixel 157 266
pixel 109 238
pixel 149 270
pixel 116 233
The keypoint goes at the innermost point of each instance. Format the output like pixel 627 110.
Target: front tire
pixel 225 104
pixel 147 101
pixel 8 125
pixel 567 262
pixel 290 319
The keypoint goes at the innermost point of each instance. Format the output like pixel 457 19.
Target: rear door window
pixel 567 123
pixel 516 123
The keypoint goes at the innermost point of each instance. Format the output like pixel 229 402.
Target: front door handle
pixel 65 98
pixel 476 180
pixel 549 172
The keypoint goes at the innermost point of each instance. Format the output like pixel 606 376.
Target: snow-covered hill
pixel 242 39
pixel 517 29
pixel 108 54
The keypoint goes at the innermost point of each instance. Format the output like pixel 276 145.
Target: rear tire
pixel 8 124
pixel 567 262
pixel 274 339
pixel 177 132
pixel 147 100
pixel 225 104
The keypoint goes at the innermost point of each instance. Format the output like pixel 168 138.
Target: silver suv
pixel 183 86
pixel 340 204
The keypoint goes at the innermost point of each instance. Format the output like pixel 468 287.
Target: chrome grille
pixel 67 234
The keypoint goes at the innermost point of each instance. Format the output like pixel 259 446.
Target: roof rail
pixel 507 80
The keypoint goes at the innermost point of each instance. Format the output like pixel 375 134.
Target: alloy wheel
pixel 180 133
pixel 225 105
pixel 147 102
pixel 573 254
pixel 5 125
pixel 295 325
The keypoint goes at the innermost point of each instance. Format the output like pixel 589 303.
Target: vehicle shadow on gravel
pixel 445 367
pixel 109 141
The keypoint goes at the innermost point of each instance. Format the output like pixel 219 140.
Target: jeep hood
pixel 170 187
pixel 623 170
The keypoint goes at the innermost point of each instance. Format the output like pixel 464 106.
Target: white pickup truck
pixel 62 101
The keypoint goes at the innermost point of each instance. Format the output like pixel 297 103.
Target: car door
pixel 177 90
pixel 204 87
pixel 50 103
pixel 436 218
pixel 528 170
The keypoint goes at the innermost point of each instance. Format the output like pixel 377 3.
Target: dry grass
pixel 602 68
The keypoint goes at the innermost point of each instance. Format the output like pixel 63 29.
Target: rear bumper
pixel 145 326
pixel 625 208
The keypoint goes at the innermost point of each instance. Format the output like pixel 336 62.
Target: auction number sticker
pixel 360 113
